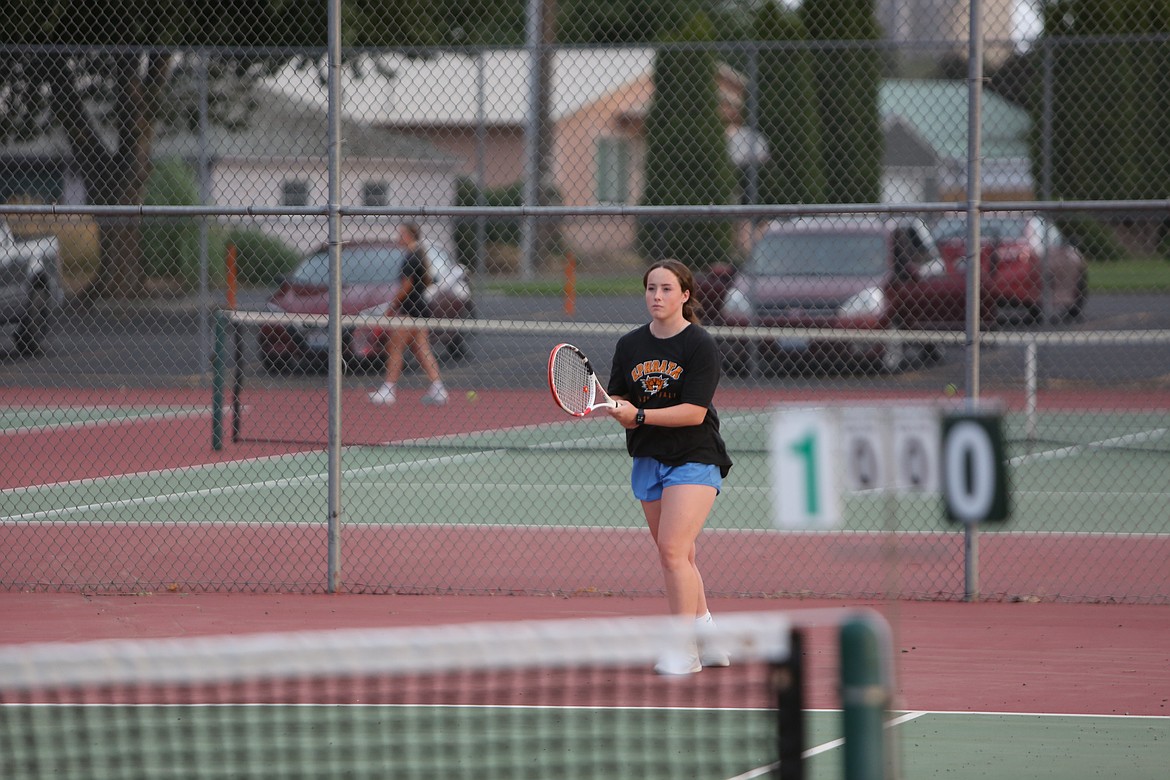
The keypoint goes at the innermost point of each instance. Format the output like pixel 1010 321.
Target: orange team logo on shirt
pixel 656 375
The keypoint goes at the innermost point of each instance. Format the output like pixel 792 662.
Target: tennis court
pixel 933 744
pixel 488 478
pixel 463 510
pixel 625 722
pixel 466 504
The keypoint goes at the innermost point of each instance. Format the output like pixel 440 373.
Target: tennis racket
pixel 574 385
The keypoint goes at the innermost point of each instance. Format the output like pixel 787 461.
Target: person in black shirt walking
pixel 411 301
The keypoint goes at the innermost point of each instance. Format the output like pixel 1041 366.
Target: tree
pixel 108 76
pixel 100 74
pixel 788 111
pixel 848 75
pixel 624 21
pixel 686 152
pixel 1110 84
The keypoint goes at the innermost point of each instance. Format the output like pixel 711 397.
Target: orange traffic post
pixel 570 284
pixel 232 277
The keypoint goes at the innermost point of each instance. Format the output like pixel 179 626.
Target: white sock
pixel 705 619
pixel 437 385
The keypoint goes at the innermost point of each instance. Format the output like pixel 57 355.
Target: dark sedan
pixel 864 272
pixel 1031 269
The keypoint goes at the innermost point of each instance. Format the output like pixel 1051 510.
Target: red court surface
pixel 963 657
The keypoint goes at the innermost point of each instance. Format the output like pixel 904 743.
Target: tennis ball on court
pixel 950 389
pixel 472 396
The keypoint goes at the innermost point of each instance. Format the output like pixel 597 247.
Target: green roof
pixel 937 111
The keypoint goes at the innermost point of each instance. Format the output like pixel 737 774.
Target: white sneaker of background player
pixel 710 651
pixel 436 396
pixel 383 395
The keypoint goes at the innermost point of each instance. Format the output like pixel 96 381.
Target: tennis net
pixel 529 699
pixel 270 386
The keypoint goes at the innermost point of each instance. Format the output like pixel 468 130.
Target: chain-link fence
pixel 215 378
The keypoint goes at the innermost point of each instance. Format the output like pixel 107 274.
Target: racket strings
pixel 573 381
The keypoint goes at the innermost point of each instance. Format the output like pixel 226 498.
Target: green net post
pixel 217 381
pixel 237 374
pixel 865 695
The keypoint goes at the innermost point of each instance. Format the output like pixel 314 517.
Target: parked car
pixel 370 278
pixel 30 288
pixel 855 272
pixel 1033 272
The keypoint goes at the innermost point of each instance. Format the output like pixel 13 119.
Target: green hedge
pixel 170 245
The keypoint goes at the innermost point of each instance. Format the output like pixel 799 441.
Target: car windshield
pixel 819 254
pixel 955 228
pixel 359 265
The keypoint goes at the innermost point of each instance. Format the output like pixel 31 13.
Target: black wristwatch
pixel 640 417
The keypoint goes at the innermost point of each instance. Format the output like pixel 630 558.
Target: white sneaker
pixel 436 396
pixel 684 660
pixel 710 653
pixel 383 395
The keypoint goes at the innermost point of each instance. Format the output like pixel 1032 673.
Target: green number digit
pixel 806 448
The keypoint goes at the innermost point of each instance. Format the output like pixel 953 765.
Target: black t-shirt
pixel 415 303
pixel 654 373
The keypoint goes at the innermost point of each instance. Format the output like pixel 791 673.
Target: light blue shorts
pixel 650 476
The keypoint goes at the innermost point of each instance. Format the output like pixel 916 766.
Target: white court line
pixel 823 748
pixel 1076 449
pixel 245 487
pixel 230 489
pixel 999 713
pixel 224 464
pixel 49 425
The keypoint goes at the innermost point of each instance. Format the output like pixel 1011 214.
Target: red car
pixel 850 272
pixel 1029 265
pixel 370 275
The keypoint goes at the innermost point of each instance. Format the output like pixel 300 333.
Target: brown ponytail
pixel 686 283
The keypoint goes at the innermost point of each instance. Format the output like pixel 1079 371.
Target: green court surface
pixel 1071 474
pixel 353 740
pixel 1075 473
pixel 19 419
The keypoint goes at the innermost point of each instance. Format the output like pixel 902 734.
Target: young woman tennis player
pixel 663 378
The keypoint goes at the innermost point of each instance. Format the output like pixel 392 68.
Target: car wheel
pixel 30 334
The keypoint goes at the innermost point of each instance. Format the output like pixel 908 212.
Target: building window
pixel 375 193
pixel 613 170
pixel 295 192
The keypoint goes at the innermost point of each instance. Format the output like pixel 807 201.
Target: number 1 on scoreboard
pixel 805 493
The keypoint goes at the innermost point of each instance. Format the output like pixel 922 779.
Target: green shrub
pixel 170 245
pixel 1094 240
pixel 1163 248
pixel 261 258
pixel 499 231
